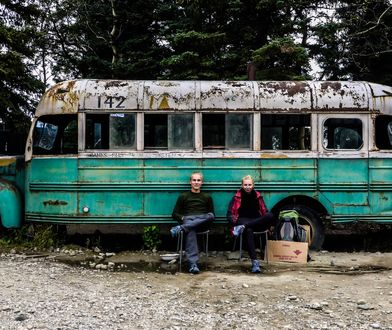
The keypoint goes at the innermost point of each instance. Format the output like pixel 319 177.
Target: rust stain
pixel 290 88
pixel 271 155
pixel 54 202
pixel 116 83
pixel 7 161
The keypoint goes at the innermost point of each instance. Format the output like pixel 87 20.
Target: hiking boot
pixel 175 231
pixel 193 269
pixel 237 230
pixel 255 266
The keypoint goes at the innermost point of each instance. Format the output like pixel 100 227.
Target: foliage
pixel 281 59
pixel 40 237
pixel 356 46
pixel 18 85
pixel 151 237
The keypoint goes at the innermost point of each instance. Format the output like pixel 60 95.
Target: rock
pixel 375 325
pixel 244 285
pixel 365 307
pixel 314 305
pixel 21 317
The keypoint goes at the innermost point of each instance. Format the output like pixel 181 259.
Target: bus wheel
pixel 309 217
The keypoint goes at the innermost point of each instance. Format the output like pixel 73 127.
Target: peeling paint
pixel 127 95
pixel 6 161
pixel 272 155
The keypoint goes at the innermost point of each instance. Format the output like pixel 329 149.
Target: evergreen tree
pixel 354 41
pixel 18 85
pixel 102 39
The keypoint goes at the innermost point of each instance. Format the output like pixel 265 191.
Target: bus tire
pixel 310 218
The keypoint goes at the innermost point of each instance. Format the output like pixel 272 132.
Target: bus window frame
pixel 363 117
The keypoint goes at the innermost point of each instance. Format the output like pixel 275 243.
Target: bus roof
pixel 294 96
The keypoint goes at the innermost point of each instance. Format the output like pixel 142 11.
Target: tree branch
pixel 374 26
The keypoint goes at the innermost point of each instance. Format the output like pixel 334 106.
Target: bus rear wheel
pixel 310 218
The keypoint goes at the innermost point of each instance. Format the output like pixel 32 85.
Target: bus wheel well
pixel 311 203
pixel 311 213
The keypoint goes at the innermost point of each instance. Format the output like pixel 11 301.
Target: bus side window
pixel 97 131
pixel 384 132
pixel 342 133
pixel 238 131
pixel 155 131
pixel 122 130
pixel 55 135
pixel 181 131
pixel 285 132
pixel 169 131
pixel 227 131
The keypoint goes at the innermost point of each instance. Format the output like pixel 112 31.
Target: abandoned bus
pixel 120 152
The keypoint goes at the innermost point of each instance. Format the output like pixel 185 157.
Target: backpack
pixel 288 228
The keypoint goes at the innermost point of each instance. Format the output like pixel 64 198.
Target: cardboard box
pixel 286 251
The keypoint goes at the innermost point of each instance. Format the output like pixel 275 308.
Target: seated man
pixel 195 211
pixel 247 213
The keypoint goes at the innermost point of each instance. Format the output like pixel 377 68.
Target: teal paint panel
pixel 170 170
pixel 230 170
pixel 342 170
pixel 110 170
pixel 52 202
pixel 344 182
pixel 53 170
pixel 111 204
pixel 288 170
pixel 221 202
pixel 380 180
pixel 58 174
pixel 160 204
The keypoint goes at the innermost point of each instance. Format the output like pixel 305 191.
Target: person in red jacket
pixel 247 213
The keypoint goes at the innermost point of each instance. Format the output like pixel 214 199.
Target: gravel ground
pixel 335 291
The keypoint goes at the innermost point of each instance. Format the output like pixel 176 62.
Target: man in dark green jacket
pixel 194 211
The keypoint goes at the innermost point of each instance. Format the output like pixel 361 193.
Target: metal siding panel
pixel 285 95
pixel 380 181
pixel 222 95
pixel 345 184
pixel 169 95
pixel 340 95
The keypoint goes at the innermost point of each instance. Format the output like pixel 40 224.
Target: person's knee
pixel 248 230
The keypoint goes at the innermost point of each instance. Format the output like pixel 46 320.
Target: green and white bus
pixel 120 152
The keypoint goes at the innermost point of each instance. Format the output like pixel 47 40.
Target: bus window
pixel 181 131
pixel 285 132
pixel 238 131
pixel 97 131
pixel 111 131
pixel 169 131
pixel 342 133
pixel 384 132
pixel 122 131
pixel 56 135
pixel 227 131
